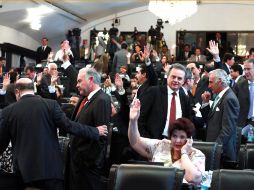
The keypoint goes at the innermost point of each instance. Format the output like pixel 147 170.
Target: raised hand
pixel 103 130
pixel 118 81
pixel 135 109
pixel 213 48
pixel 6 81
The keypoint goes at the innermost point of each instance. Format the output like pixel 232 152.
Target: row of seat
pixel 148 177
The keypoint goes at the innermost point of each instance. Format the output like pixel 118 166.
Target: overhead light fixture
pixel 173 11
pixel 36 14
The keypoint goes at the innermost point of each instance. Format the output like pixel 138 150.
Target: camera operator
pixel 111 46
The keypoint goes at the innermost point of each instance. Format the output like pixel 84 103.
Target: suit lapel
pixel 86 106
pixel 218 105
pixel 164 98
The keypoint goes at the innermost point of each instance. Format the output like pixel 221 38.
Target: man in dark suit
pixel 228 59
pixel 88 166
pixel 146 75
pixel 236 72
pixel 243 94
pixel 200 85
pixel 43 51
pixel 221 116
pixel 155 115
pixel 31 124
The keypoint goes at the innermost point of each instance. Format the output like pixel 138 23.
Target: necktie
pixel 197 58
pixel 172 116
pixel 82 104
pixel 251 85
pixel 232 83
pixel 215 101
pixel 193 89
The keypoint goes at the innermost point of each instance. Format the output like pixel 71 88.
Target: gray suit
pixel 119 60
pixel 221 123
pixel 202 58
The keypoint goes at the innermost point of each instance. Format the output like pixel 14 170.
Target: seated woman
pixel 177 152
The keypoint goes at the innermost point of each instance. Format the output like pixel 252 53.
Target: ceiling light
pixel 173 11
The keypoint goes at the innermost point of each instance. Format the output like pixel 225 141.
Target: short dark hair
pixel 177 66
pixel 183 124
pixel 227 56
pixel 143 68
pixel 24 86
pixel 30 68
pixel 208 68
pixel 124 45
pixel 237 67
pixel 251 50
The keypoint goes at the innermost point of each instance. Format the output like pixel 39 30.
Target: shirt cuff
pixel 204 104
pixel 148 62
pixel 52 89
pixel 216 58
pixel 66 64
pixel 2 92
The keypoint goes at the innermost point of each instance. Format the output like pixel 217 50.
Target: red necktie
pixel 82 104
pixel 172 116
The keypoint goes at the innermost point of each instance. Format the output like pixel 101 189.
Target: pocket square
pixel 217 109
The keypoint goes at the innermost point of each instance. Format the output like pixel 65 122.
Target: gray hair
pixel 221 75
pixel 177 66
pixel 249 61
pixel 91 72
pixel 50 65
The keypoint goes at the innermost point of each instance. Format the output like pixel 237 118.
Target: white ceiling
pixel 68 14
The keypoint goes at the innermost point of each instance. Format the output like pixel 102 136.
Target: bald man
pixel 31 124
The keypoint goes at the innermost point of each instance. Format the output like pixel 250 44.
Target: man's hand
pixel 103 130
pixel 39 77
pixel 54 79
pixel 118 81
pixel 213 48
pixel 6 81
pixel 206 96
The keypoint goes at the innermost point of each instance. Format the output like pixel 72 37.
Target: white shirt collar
pixel 92 93
pixel 223 92
pixel 170 91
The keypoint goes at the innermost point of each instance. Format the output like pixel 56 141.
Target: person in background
pixel 43 51
pixel 65 50
pixel 236 72
pixel 2 68
pixel 176 151
pixel 197 57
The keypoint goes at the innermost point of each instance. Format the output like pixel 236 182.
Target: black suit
pixel 31 125
pixel 202 86
pixel 42 54
pixel 243 94
pixel 223 66
pixel 88 157
pixel 153 114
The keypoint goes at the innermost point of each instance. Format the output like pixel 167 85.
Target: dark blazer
pixel 153 112
pixel 90 154
pixel 221 123
pixel 42 55
pixel 31 125
pixel 223 66
pixel 202 86
pixel 152 80
pixel 243 94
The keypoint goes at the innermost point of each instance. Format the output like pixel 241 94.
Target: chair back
pixel 212 152
pixel 232 179
pixel 148 177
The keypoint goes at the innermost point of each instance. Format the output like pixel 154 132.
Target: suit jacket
pixel 119 60
pixel 42 54
pixel 31 125
pixel 90 154
pixel 153 112
pixel 202 86
pixel 152 80
pixel 223 66
pixel 221 123
pixel 243 94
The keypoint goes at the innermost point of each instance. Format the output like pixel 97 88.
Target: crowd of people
pixel 152 108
